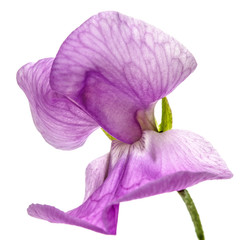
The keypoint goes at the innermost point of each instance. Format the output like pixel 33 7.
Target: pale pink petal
pixel 61 122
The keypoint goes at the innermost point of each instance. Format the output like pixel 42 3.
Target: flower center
pixel 146 119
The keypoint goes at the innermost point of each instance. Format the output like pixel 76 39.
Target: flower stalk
pixel 193 213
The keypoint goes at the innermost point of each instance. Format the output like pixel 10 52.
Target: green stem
pixel 193 213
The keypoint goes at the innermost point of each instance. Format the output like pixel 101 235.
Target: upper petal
pixel 62 124
pixel 114 65
pixel 158 163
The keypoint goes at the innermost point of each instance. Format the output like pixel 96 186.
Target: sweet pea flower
pixel 109 73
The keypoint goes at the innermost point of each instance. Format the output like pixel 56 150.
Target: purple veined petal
pixel 62 124
pixel 113 66
pixel 93 214
pixel 158 163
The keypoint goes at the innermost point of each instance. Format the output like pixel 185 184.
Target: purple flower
pixel 110 72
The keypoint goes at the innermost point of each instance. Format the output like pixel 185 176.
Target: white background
pixel 207 103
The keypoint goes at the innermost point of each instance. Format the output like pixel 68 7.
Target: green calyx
pixel 108 135
pixel 166 123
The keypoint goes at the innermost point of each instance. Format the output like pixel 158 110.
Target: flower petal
pixel 94 213
pixel 114 65
pixel 63 124
pixel 158 163
pixel 96 173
